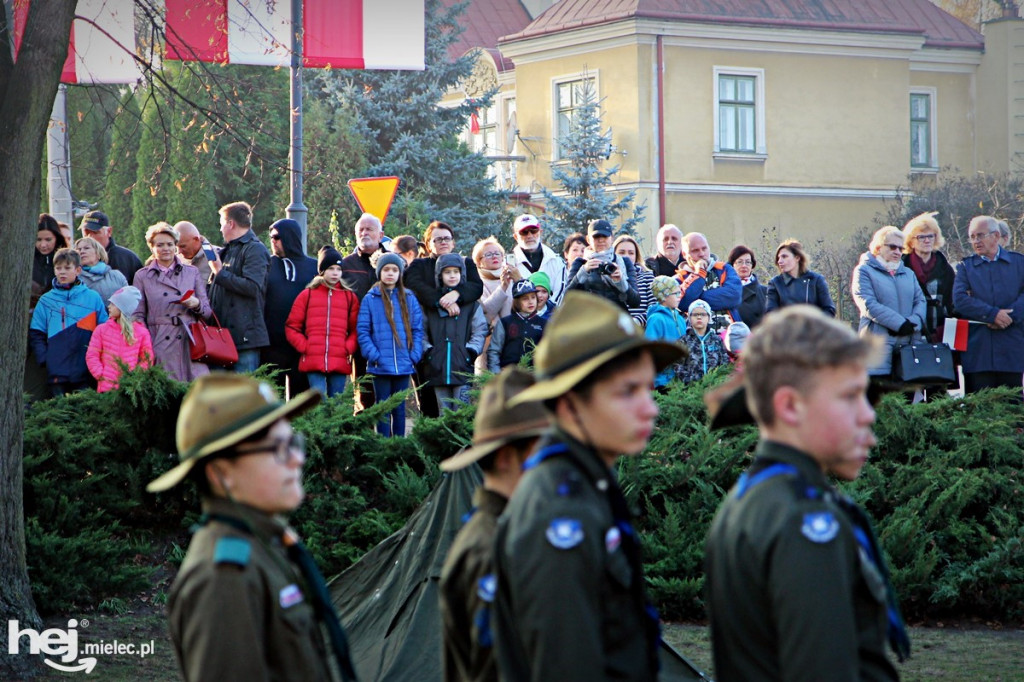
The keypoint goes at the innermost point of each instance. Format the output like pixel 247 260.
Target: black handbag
pixel 921 362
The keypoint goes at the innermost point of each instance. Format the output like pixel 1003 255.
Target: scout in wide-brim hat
pixel 497 423
pixel 221 410
pixel 585 332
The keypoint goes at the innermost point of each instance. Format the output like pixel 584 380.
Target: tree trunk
pixel 27 90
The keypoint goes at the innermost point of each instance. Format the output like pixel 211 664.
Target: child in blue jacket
pixel 390 332
pixel 664 321
pixel 62 325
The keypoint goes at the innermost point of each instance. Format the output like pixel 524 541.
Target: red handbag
pixel 211 344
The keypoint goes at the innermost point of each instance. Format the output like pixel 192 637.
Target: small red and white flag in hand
pixel 954 334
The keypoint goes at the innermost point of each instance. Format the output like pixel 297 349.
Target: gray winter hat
pixel 388 259
pixel 127 300
pixel 449 260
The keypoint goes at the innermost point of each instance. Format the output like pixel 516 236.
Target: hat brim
pixel 463 458
pixel 233 434
pixel 664 355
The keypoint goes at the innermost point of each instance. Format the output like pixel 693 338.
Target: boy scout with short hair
pixel 503 437
pixel 797 586
pixel 570 602
pixel 248 602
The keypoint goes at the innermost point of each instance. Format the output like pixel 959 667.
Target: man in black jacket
pixel 96 224
pixel 290 271
pixel 239 284
pixel 670 252
pixel 604 273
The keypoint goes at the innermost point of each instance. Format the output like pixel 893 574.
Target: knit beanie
pixel 699 303
pixel 736 336
pixel 449 260
pixel 541 279
pixel 127 300
pixel 662 287
pixel 388 259
pixel 326 257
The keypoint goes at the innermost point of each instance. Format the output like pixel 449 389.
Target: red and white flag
pixel 341 34
pixel 102 48
pixel 954 334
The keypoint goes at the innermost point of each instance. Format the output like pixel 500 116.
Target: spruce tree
pixel 408 135
pixel 122 164
pixel 149 197
pixel 583 180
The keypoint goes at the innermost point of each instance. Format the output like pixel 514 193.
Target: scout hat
pixel 220 410
pixel 585 332
pixel 498 424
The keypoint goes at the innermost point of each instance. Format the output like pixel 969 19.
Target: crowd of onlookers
pixel 404 310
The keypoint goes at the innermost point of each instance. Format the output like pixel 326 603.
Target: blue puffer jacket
pixel 385 355
pixel 62 326
pixel 981 289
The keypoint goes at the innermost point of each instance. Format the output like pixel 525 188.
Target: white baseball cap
pixel 524 221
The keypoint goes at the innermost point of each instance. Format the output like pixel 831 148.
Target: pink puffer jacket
pixel 108 346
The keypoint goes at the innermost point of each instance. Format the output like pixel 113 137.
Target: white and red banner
pixel 102 48
pixel 341 34
pixel 954 333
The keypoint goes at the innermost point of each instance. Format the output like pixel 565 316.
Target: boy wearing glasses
pixel 248 601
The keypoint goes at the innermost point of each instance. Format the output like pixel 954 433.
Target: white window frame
pixel 760 143
pixel 933 133
pixel 555 83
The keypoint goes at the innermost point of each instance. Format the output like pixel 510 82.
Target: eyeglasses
pixel 442 240
pixel 978 237
pixel 492 254
pixel 699 313
pixel 743 261
pixel 925 237
pixel 894 247
pixel 283 449
pixel 530 230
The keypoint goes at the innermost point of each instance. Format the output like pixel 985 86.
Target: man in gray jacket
pixel 239 284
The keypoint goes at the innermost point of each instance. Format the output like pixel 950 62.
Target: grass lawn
pixel 965 654
pixel 968 655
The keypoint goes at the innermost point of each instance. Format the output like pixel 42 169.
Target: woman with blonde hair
pixel 497 276
pixel 173 297
pixel 96 271
pixel 891 303
pixel 934 273
pixel 796 282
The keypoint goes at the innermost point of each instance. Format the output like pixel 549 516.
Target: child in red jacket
pixel 322 326
pixel 119 342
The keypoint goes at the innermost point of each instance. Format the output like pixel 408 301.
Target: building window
pixel 739 111
pixel 485 140
pixel 569 95
pixel 922 130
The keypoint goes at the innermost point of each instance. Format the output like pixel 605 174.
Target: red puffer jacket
pixel 322 327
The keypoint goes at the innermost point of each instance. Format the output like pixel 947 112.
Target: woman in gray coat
pixel 167 307
pixel 886 292
pixel 96 271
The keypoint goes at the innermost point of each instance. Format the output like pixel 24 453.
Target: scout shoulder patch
pixel 486 587
pixel 565 533
pixel 290 596
pixel 612 539
pixel 820 527
pixel 232 551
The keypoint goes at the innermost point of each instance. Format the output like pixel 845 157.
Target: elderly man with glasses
pixel 989 288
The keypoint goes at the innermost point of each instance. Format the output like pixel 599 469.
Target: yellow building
pixel 740 118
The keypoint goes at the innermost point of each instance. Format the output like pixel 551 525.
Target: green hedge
pixel 944 486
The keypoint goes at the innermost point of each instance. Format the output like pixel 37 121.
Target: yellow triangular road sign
pixel 374 195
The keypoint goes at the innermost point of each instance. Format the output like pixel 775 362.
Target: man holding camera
pixel 604 273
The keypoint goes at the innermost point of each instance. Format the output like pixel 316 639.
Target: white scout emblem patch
pixel 565 533
pixel 290 596
pixel 820 527
pixel 612 539
pixel 486 587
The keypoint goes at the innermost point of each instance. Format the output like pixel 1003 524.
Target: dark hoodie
pixel 288 276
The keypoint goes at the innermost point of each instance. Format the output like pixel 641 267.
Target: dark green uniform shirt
pixel 791 595
pixel 239 609
pixel 467 594
pixel 570 605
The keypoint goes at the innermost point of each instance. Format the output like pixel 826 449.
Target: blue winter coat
pixel 885 302
pixel 62 326
pixel 665 324
pixel 810 288
pixel 721 289
pixel 980 290
pixel 385 355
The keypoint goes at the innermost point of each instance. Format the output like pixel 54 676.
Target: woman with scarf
pixel 497 278
pixel 96 271
pixel 934 273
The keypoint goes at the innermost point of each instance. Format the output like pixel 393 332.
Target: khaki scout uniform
pixel 239 608
pixel 467 594
pixel 570 605
pixel 791 595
